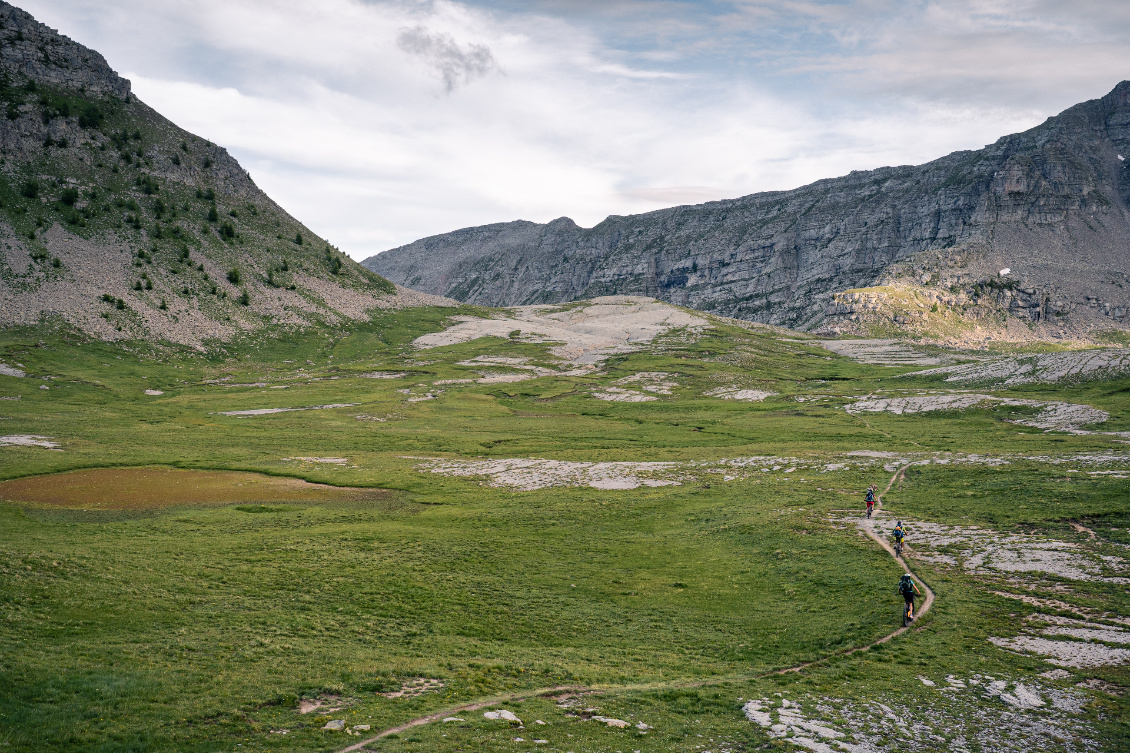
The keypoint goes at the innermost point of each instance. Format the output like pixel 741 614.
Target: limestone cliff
pixel 1049 204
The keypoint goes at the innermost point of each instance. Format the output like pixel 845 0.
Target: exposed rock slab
pixel 584 334
pixel 881 352
pixel 1047 368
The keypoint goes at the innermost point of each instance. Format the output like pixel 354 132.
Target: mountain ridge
pixel 115 221
pixel 1049 203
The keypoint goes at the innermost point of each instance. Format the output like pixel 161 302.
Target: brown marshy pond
pixel 153 488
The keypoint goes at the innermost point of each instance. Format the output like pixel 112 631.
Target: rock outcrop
pixel 1049 204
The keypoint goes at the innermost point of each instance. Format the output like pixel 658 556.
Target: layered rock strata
pixel 1049 205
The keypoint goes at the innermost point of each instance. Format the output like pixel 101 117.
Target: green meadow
pixel 203 627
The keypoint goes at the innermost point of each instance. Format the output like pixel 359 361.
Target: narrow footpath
pixel 867 525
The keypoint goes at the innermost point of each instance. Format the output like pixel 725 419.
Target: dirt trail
pixel 473 706
pixel 868 528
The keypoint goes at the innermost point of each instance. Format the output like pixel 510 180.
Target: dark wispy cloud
pixel 456 65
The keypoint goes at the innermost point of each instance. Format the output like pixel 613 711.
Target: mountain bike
pixel 906 618
pixel 898 547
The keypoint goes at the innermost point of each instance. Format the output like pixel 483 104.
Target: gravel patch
pixel 12 371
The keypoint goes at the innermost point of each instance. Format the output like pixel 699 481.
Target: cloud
pixel 455 65
pixel 674 195
pixel 605 108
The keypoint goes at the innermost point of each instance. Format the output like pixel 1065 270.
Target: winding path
pixel 868 527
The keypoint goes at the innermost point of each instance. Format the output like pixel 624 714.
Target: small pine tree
pixel 233 276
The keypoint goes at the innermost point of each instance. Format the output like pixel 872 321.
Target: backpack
pixel 906 585
pixel 870 496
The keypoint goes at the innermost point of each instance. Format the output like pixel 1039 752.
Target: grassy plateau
pixel 179 576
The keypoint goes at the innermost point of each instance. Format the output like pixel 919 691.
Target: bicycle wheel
pixel 906 614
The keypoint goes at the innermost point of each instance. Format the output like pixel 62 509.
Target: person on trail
pixel 870 500
pixel 898 532
pixel 908 589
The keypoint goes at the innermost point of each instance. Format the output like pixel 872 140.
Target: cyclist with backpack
pixel 898 534
pixel 870 498
pixel 908 589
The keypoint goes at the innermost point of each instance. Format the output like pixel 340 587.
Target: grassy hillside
pixel 123 225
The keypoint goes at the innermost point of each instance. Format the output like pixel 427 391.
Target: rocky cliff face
pixel 117 222
pixel 1050 204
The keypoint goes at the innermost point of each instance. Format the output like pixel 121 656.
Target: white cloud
pixel 377 123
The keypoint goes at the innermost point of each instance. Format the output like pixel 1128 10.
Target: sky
pixel 378 122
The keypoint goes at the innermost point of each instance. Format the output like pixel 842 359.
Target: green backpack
pixel 906 585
